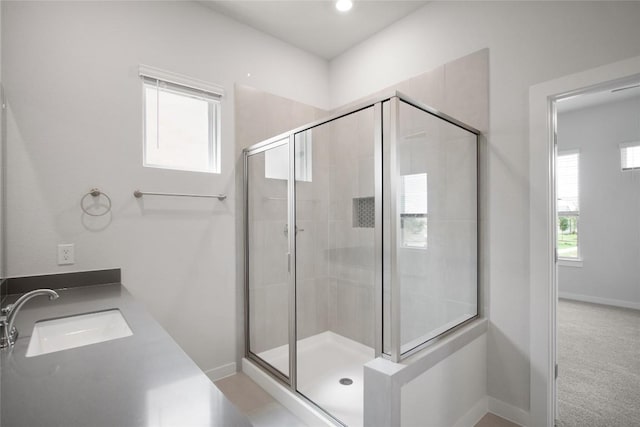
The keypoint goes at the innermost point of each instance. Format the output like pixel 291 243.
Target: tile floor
pixel 264 411
pixel 256 403
pixel 491 420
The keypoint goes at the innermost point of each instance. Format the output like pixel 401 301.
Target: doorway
pixel 542 231
pixel 597 178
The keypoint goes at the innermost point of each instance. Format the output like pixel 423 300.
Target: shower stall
pixel 361 241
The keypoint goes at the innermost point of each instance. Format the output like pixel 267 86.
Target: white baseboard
pixel 301 409
pixel 221 372
pixel 598 300
pixel 474 414
pixel 508 411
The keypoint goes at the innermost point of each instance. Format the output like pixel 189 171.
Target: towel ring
pixel 95 192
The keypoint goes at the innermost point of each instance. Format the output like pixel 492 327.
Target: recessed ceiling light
pixel 344 5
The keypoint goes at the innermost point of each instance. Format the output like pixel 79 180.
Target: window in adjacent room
pixel 568 205
pixel 181 123
pixel 413 210
pixel 630 155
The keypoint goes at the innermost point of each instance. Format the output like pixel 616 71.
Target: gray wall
pixel 609 204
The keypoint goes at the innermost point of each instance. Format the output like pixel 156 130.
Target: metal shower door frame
pixel 394 98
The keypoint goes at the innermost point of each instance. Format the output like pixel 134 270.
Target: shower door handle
pixel 286 230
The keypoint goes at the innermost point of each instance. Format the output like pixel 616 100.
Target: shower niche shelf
pixel 364 212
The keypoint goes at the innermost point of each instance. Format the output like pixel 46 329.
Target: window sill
pixel 565 262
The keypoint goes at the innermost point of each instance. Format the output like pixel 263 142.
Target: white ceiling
pixel 617 92
pixel 316 26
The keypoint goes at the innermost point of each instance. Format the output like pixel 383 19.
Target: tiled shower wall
pixel 312 262
pixel 431 289
pixel 259 116
pixel 351 248
pixel 461 89
pixel 335 257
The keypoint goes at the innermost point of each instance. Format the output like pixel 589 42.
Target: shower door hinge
pixel 556 371
pixel 289 262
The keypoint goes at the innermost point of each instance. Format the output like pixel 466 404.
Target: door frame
pixel 542 218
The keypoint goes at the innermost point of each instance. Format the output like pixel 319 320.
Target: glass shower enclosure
pixel 361 241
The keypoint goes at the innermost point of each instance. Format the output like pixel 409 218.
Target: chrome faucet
pixel 9 313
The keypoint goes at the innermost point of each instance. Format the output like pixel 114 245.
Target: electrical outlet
pixel 66 254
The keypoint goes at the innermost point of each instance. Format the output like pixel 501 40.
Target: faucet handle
pixel 6 309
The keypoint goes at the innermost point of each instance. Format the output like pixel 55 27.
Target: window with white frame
pixel 568 204
pixel 181 122
pixel 630 155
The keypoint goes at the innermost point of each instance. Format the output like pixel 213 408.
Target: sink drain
pixel 346 381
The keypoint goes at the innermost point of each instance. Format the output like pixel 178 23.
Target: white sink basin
pixel 54 335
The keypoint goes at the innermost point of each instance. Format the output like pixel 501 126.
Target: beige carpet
pixel 599 365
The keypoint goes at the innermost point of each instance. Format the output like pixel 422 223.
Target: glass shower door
pixel 335 262
pixel 267 257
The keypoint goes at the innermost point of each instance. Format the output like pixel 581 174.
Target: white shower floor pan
pixel 323 360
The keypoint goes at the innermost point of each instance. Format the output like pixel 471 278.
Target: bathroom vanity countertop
pixel 141 380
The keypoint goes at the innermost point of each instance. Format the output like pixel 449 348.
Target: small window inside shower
pixel 276 164
pixel 630 155
pixel 413 211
